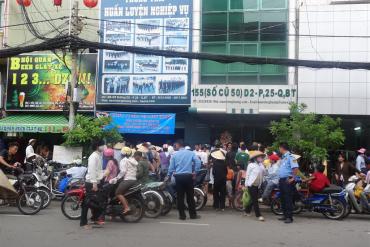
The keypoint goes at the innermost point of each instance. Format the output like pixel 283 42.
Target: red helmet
pixel 108 152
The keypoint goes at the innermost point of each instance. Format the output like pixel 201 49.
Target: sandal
pixel 126 211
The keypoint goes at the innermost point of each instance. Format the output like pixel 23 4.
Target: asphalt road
pixel 227 229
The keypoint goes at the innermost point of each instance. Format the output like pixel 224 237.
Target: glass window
pixel 273 50
pixel 243 79
pixel 273 31
pixel 211 67
pixel 214 27
pixel 273 4
pixel 243 50
pixel 240 29
pixel 220 79
pixel 2 10
pixel 243 4
pixel 214 5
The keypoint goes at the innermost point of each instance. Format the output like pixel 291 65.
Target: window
pixel 244 4
pixel 243 50
pixel 214 5
pixel 211 67
pixel 273 4
pixel 240 29
pixel 277 50
pixel 214 27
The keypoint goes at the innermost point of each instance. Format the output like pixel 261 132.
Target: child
pixel 229 184
pixel 318 181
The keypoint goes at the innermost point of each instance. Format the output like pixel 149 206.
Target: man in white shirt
pixel 94 176
pixel 30 148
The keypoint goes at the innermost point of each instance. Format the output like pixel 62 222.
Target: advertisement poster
pixel 126 78
pixel 38 82
pixel 243 99
pixel 142 123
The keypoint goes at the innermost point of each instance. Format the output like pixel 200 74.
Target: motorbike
pixel 20 191
pixel 71 204
pixel 200 197
pixel 358 203
pixel 331 202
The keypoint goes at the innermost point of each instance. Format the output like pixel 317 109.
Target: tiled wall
pixel 335 91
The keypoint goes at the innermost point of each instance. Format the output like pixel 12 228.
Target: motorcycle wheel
pixel 46 196
pixel 276 206
pixel 71 207
pixel 200 199
pixel 168 203
pixel 30 202
pixel 153 203
pixel 237 201
pixel 137 210
pixel 339 207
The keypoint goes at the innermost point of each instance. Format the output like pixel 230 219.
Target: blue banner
pixel 142 123
pixel 135 79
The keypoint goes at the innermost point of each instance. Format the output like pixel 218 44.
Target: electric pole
pixel 74 31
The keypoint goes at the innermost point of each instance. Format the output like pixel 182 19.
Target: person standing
pixel 94 177
pixel 360 160
pixel 165 158
pixel 30 148
pixel 287 173
pixel 253 182
pixel 344 170
pixel 219 173
pixel 183 165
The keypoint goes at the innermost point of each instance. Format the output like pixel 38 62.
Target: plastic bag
pixel 246 199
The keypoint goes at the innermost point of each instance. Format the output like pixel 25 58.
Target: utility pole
pixel 296 46
pixel 74 31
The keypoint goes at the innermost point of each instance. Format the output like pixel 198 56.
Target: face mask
pixel 260 159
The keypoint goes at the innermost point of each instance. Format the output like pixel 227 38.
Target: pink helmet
pixel 108 152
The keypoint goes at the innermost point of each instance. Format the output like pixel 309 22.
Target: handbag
pixel 246 198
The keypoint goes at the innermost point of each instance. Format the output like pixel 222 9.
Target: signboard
pixel 243 99
pixel 38 82
pixel 142 123
pixel 126 78
pixel 66 155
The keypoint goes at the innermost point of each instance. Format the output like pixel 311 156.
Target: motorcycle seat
pixel 332 189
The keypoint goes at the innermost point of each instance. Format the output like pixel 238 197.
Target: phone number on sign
pixel 240 93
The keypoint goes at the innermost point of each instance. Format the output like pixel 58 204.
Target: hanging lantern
pixel 58 3
pixel 25 3
pixel 91 3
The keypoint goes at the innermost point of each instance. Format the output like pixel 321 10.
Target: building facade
pixel 240 98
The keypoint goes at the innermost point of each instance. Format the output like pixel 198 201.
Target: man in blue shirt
pixel 287 172
pixel 183 165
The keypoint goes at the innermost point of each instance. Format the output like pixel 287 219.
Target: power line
pixel 78 43
pixel 33 22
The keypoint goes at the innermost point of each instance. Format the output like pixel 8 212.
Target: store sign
pixel 126 78
pixel 26 128
pixel 142 123
pixel 38 82
pixel 243 99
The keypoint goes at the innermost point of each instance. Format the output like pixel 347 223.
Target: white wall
pixel 334 91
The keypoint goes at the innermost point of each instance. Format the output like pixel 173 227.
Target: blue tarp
pixel 142 123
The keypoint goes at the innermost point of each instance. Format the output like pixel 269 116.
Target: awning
pixel 34 123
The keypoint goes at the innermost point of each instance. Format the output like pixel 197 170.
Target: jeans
pixel 253 192
pixel 219 194
pixel 268 189
pixel 287 193
pixel 96 213
pixel 185 186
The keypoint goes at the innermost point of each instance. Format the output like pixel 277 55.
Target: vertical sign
pixel 126 78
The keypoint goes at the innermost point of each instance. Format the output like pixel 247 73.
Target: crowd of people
pixel 231 167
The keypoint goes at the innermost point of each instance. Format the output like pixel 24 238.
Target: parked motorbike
pixel 331 202
pixel 21 193
pixel 71 204
pixel 358 202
